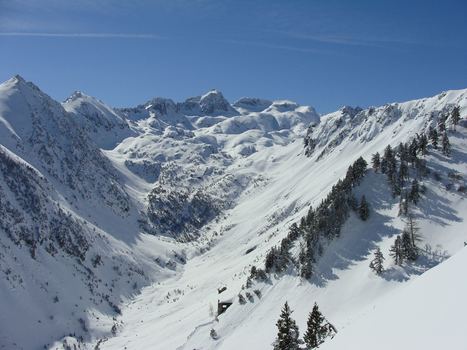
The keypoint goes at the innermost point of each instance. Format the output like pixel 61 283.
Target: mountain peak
pixel 214 102
pixel 18 78
pixel 212 92
pixel 349 110
pixel 19 83
pixel 14 81
pixel 75 96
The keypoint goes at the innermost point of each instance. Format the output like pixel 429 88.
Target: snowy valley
pixel 119 226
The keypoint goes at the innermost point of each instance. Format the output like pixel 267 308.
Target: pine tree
pixel 402 152
pixel 377 263
pixel 390 167
pixel 358 170
pixel 364 209
pixel 376 161
pixel 403 172
pixel 306 258
pixel 412 228
pixel 390 160
pixel 396 251
pixel 409 251
pixel 455 116
pixel 404 204
pixel 288 334
pixel 433 134
pixel 446 146
pixel 318 329
pixel 412 152
pixel 414 194
pixel 442 123
pixel 422 144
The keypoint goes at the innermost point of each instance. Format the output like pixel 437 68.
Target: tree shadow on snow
pixel 359 239
pixel 425 261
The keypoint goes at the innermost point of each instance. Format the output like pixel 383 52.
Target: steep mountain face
pixel 212 103
pixel 391 120
pixel 60 197
pixel 105 126
pixel 117 226
pixel 41 132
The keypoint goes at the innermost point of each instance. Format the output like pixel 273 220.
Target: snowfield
pixel 124 243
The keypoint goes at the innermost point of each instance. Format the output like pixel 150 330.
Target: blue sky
pixel 322 53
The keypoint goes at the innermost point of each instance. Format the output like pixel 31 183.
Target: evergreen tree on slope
pixel 455 116
pixel 433 135
pixel 364 209
pixel 377 263
pixel 318 329
pixel 376 161
pixel 288 334
pixel 396 251
pixel 446 146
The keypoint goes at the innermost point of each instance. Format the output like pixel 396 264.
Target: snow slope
pixel 427 313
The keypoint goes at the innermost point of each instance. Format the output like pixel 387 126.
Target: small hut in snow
pixel 224 303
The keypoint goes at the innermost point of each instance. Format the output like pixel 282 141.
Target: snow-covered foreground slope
pixel 168 201
pixel 426 313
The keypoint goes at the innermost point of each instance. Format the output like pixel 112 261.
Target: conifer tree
pixel 376 161
pixel 306 258
pixel 390 165
pixel 404 204
pixel 310 216
pixel 318 329
pixel 414 194
pixel 412 152
pixel 363 209
pixel 409 251
pixel 396 251
pixel 442 123
pixel 446 146
pixel 409 239
pixel 403 172
pixel 353 202
pixel 288 334
pixel 412 228
pixel 422 144
pixel 377 263
pixel 402 151
pixel 455 116
pixel 390 160
pixel 433 134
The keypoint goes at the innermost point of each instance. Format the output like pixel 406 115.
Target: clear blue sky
pixel 322 53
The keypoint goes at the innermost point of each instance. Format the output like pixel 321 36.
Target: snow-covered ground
pixel 426 313
pixel 163 255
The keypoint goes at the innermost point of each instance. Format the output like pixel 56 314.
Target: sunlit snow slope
pixel 427 313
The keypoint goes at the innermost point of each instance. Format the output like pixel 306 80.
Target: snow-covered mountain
pixel 117 226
